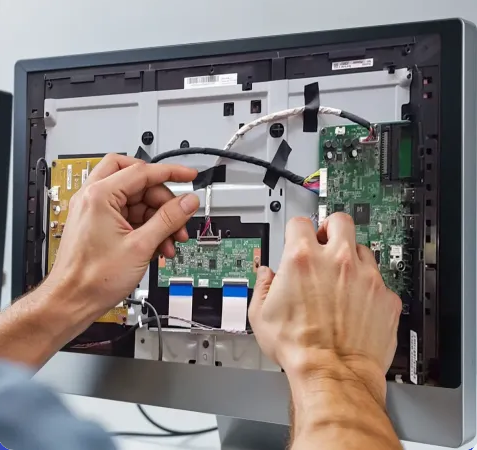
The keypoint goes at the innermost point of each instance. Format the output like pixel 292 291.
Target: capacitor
pixel 380 228
pixel 353 153
pixel 347 143
pixel 329 156
pixel 327 144
pixel 355 142
pixel 334 143
pixel 53 224
pixel 57 209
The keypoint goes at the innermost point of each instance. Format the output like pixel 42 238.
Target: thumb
pixel 168 219
pixel 264 280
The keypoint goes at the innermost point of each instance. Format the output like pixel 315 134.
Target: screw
pixel 277 130
pixel 323 131
pixel 47 114
pixel 147 138
pixel 205 344
pixel 408 76
pixel 49 84
pixel 53 163
pixel 212 70
pixel 143 340
pixel 275 206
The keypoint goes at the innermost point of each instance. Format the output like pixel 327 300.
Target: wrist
pixel 315 369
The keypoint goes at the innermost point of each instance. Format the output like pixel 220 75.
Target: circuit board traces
pixel 355 186
pixel 209 265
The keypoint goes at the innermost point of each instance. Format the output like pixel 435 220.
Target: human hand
pixel 121 216
pixel 327 305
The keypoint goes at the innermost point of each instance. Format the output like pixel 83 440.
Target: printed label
pixel 69 176
pixel 413 357
pixel 84 175
pixel 355 64
pixel 229 79
pixel 323 182
pixel 203 282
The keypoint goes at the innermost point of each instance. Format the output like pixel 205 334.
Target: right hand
pixel 327 305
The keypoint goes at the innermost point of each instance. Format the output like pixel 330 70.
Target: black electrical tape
pixel 142 155
pixel 312 106
pixel 205 178
pixel 279 161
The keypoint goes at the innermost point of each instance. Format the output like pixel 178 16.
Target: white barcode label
pixel 323 182
pixel 355 64
pixel 205 81
pixel 203 282
pixel 413 357
pixel 322 213
pixel 84 176
pixel 69 176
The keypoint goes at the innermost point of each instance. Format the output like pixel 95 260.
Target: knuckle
pixel 166 218
pixel 343 217
pixel 344 255
pixel 91 194
pixel 301 254
pixel 375 279
pixel 110 158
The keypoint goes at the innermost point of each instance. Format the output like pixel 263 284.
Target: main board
pixel 67 178
pixel 367 179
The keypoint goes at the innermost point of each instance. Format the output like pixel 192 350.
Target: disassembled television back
pixel 357 136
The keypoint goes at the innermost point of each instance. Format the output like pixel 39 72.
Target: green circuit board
pixel 208 265
pixel 355 186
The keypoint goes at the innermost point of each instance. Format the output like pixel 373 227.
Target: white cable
pixel 279 115
pixel 201 326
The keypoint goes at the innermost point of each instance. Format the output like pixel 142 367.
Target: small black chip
pixel 339 157
pixel 362 213
pixel 393 222
pixel 338 207
pixel 212 264
pixel 377 256
pixel 199 264
pixel 180 259
pixel 239 263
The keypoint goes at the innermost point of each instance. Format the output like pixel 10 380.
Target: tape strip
pixel 312 103
pixel 234 307
pixel 180 304
pixel 215 174
pixel 142 155
pixel 279 161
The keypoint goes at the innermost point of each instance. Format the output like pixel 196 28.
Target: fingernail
pixel 261 271
pixel 189 203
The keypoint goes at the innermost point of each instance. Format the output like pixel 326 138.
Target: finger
pixel 168 219
pixel 264 280
pixel 300 232
pixel 181 236
pixel 110 164
pixel 167 248
pixel 366 255
pixel 134 179
pixel 265 277
pixel 336 229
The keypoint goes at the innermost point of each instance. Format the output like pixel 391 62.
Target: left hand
pixel 117 221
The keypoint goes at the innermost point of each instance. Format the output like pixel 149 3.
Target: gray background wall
pixel 34 29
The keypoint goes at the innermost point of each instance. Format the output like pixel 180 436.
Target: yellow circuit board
pixel 67 177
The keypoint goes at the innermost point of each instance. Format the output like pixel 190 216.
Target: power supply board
pixel 67 177
pixel 361 180
pixel 210 264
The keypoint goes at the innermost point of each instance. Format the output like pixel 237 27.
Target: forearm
pixel 35 327
pixel 334 409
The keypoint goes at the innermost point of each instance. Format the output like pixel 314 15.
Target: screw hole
pixel 227 233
